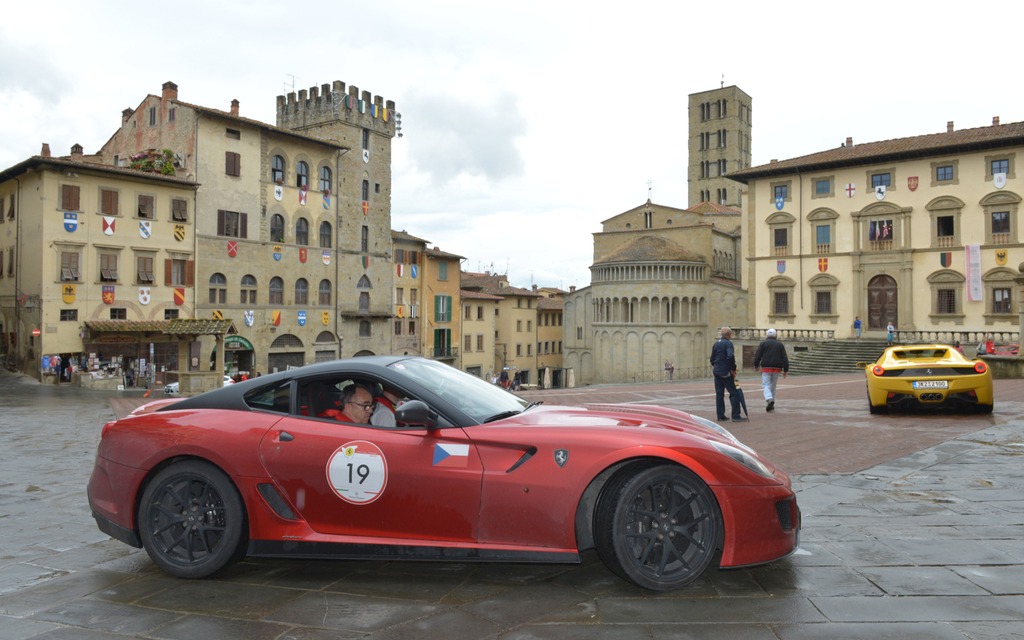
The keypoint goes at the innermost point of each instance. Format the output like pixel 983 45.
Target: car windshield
pixel 479 399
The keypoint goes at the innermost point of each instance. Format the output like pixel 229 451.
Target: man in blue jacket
pixel 723 367
pixel 772 360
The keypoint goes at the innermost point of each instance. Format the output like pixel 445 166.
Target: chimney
pixel 170 91
pixel 949 127
pixel 45 151
pixel 76 151
pixel 572 288
pixel 995 121
pixel 849 141
pixel 234 107
pixel 126 115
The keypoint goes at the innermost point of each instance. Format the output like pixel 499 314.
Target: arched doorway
pixel 883 302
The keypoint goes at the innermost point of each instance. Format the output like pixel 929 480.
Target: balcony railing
pixel 445 353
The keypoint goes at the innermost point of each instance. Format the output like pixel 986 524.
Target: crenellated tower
pixel 364 124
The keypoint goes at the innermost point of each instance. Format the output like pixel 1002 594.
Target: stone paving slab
pixel 913 528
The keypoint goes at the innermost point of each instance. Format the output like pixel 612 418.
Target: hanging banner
pixel 975 292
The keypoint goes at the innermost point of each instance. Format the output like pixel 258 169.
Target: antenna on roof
pixel 723 81
pixel 292 85
pixel 650 189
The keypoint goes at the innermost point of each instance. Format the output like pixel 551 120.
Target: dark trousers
pixel 723 384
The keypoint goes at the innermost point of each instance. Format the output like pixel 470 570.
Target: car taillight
pixel 877 370
pixel 980 367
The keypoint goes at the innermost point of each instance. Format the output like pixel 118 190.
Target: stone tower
pixel 719 143
pixel 364 125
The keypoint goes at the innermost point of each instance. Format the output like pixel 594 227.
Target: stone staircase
pixel 837 356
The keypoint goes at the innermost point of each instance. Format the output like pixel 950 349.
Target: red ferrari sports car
pixel 269 467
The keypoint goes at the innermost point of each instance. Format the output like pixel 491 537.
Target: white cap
pixel 771 333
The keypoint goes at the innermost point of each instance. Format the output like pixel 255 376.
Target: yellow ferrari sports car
pixel 925 376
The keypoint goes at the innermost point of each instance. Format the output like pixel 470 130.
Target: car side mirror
pixel 862 365
pixel 416 413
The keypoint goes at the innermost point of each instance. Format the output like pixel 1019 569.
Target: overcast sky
pixel 526 123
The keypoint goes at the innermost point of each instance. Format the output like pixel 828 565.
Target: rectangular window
pixel 232 224
pixel 179 272
pixel 232 163
pixel 10 262
pixel 69 315
pixel 108 267
pixel 467 344
pixel 366 190
pixel 398 327
pixel 1000 166
pixel 944 226
pixel 480 342
pixel 468 312
pixel 1001 300
pixel 399 256
pixel 519 325
pixel 146 206
pixel 364 240
pixel 119 313
pixel 69 197
pixel 822 187
pixel 412 327
pixel 442 270
pixel 781 191
pixel 68 266
pixel 881 179
pixel 780 303
pixel 233 134
pixel 880 230
pixel 823 237
pixel 179 209
pixel 781 238
pixel 144 269
pixel 823 302
pixel 442 308
pixel 399 295
pixel 170 314
pixel 1000 222
pixel 479 313
pixel 945 301
pixel 170 118
pixel 366 139
pixel 944 173
pixel 108 202
pixel 152 116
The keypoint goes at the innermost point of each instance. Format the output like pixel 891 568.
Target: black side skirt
pixel 343 551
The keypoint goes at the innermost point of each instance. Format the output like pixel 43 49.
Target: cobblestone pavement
pixel 913 528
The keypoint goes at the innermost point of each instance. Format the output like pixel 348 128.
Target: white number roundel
pixel 358 472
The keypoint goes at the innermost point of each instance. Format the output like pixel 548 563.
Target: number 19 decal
pixel 358 472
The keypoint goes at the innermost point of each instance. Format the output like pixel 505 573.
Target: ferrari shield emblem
pixel 232 248
pixel 70 222
pixel 278 193
pixel 67 293
pixel 249 317
pixel 108 294
pixel 108 225
pixel 145 229
pixel 780 202
pixel 145 295
pixel 822 264
pixel 999 180
pixel 880 192
pixel 1001 257
pixel 325 318
pixel 277 252
pixel 302 254
pixel 561 457
pixel 780 266
pixel 325 257
pixel 179 232
pixel 912 182
pixel 946 258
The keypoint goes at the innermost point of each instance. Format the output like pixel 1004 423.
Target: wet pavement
pixel 913 528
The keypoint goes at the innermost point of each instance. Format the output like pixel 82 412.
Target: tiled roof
pixel 262 125
pixel 492 284
pixel 404 235
pixel 648 249
pixel 437 253
pixel 172 327
pixel 550 304
pixel 63 163
pixel 713 208
pixel 928 145
pixel 468 294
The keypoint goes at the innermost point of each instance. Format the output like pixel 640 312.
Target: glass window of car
pixel 480 400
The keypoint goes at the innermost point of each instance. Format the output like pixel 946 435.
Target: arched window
pixel 301 231
pixel 248 289
pixel 325 179
pixel 325 293
pixel 277 170
pixel 325 235
pixel 276 290
pixel 277 228
pixel 218 289
pixel 301 291
pixel 301 174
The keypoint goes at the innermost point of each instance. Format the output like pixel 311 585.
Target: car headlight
pixel 717 428
pixel 743 458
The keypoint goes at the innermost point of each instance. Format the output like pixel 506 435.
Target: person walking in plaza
pixel 723 368
pixel 857 324
pixel 890 334
pixel 772 360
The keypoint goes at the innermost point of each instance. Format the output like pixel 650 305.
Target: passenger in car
pixel 384 413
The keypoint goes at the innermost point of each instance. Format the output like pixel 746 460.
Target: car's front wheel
pixel 191 520
pixel 659 528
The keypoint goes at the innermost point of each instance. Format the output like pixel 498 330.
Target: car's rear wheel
pixel 984 408
pixel 873 408
pixel 659 527
pixel 191 520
